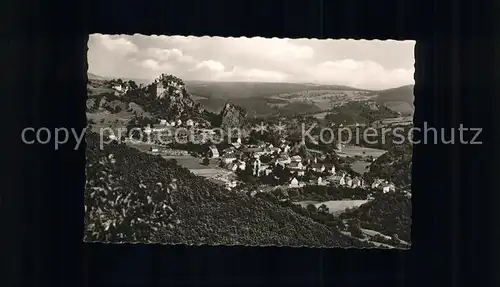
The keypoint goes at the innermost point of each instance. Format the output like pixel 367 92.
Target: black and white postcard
pixel 249 141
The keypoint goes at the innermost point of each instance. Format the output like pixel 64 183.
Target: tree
pixel 323 208
pixel 355 231
pixel 206 161
pixel 303 151
pixel 311 208
pixel 283 174
pixel 132 85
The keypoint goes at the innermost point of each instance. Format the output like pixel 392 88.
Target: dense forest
pixel 135 197
pixel 394 165
pixel 359 112
pixel 389 214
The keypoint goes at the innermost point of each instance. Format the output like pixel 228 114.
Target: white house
pixel 163 122
pixel 377 182
pixel 318 167
pixel 338 179
pixel 231 181
pixel 236 143
pixel 357 182
pixel 148 129
pixel 285 148
pixel 296 158
pixel 294 183
pixel 154 149
pixel 320 181
pixel 228 158
pixel 159 128
pixel 330 168
pixel 179 122
pixel 232 166
pixel 241 164
pixel 213 152
pixel 342 180
pixel 388 187
pixel 297 168
pixel 348 181
pixel 190 123
pixel 120 89
pixel 283 160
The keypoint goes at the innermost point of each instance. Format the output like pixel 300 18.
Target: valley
pixel 256 175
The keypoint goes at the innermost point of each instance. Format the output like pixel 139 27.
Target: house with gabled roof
pixel 357 182
pixel 294 182
pixel 348 181
pixel 283 160
pixel 317 167
pixel 337 179
pixel 213 152
pixel 228 158
pixel 330 168
pixel 296 168
pixel 377 182
pixel 387 187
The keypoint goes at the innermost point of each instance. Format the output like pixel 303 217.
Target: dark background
pixel 453 186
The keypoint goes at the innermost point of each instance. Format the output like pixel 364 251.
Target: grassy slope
pixel 194 211
pixel 399 99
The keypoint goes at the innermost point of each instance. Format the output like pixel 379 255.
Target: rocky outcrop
pixel 175 101
pixel 232 116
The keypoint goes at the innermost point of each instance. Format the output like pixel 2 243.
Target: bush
pixel 355 231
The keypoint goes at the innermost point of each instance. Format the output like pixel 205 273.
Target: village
pixel 271 166
pixel 240 161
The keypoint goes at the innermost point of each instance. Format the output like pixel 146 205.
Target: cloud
pixel 363 64
pixel 362 74
pixel 216 71
pixel 118 44
pixel 210 65
pixel 256 75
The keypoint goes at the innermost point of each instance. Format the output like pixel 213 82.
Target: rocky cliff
pixel 232 116
pixel 174 100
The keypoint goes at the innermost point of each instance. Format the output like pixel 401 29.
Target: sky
pixel 362 64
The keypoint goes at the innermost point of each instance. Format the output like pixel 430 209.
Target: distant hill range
pixel 145 82
pixel 255 89
pixel 397 99
pixel 91 76
pixel 264 99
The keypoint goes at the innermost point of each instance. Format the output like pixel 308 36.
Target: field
pixel 398 99
pixel 103 120
pixel 360 166
pixel 335 206
pixel 399 120
pixel 324 99
pixel 350 151
pixel 320 116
